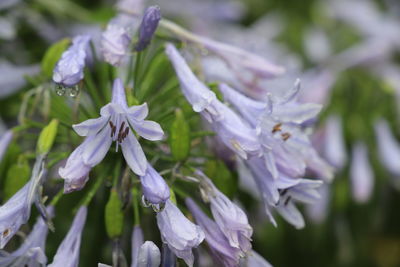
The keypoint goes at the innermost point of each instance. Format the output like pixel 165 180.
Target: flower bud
pixel 46 138
pixel 148 26
pixel 113 215
pixel 179 137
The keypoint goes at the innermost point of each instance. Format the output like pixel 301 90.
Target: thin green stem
pixel 135 202
pixel 57 197
pixel 136 74
pixel 92 192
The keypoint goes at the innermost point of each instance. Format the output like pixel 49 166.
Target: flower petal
pixel 96 150
pixel 149 130
pixel 134 155
pixel 139 112
pixel 90 127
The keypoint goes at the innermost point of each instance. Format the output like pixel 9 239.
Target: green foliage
pixel 221 177
pixel 179 137
pixel 17 176
pixel 114 216
pixel 53 54
pixel 46 137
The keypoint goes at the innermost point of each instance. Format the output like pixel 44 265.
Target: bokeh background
pixel 353 51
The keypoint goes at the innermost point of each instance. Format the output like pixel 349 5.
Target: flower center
pixel 122 132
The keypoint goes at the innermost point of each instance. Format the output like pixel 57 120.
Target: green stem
pixel 136 74
pixel 92 89
pixel 136 215
pixel 92 192
pixel 57 197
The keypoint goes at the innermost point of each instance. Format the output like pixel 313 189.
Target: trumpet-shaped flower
pixel 69 69
pixel 68 252
pixel 31 252
pixel 115 42
pixel 255 259
pixel 220 247
pixel 361 174
pixel 137 241
pixel 155 189
pixel 115 124
pixel 149 255
pixel 178 232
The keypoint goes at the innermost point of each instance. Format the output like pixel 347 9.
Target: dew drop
pixel 60 90
pixel 158 207
pixel 73 91
pixel 145 202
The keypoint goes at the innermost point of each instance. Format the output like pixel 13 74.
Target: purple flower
pixel 388 147
pixel 335 150
pixel 115 124
pixel 32 251
pixel 220 247
pixel 154 188
pixel 13 214
pixel 361 174
pixel 198 95
pixel 68 252
pixel 168 257
pixel 229 217
pixel 5 140
pixel 178 232
pixel 149 255
pixel 115 42
pixel 137 241
pixel 69 69
pixel 148 26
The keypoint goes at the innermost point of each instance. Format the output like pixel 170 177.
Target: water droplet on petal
pixel 145 202
pixel 158 207
pixel 73 91
pixel 60 90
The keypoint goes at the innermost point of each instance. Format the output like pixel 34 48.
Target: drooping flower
pixel 137 241
pixel 220 247
pixel 68 252
pixel 69 69
pixel 154 187
pixel 5 140
pixel 115 124
pixel 32 252
pixel 254 259
pixel 361 174
pixel 178 232
pixel 168 257
pixel 149 24
pixel 149 255
pixel 335 150
pixel 115 42
pixel 229 217
pixel 388 147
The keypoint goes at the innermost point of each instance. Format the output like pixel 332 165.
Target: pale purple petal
pixel 388 147
pixel 154 187
pixel 148 26
pixel 149 130
pixel 139 112
pixel 118 94
pixel 255 260
pixel 137 241
pixel 198 95
pixel 90 127
pixel 361 174
pixel 134 155
pixel 335 150
pixel 290 213
pixel 67 254
pixel 178 232
pixel 5 141
pixel 115 42
pixel 149 255
pixel 94 151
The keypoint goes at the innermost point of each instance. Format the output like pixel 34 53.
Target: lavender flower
pixel 168 257
pixel 255 260
pixel 149 255
pixel 13 214
pixel 361 174
pixel 115 42
pixel 198 95
pixel 5 140
pixel 388 147
pixel 69 69
pixel 68 252
pixel 137 241
pixel 115 124
pixel 335 150
pixel 220 247
pixel 148 26
pixel 229 217
pixel 31 252
pixel 155 189
pixel 178 232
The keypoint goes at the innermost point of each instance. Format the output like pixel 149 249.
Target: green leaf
pixel 114 217
pixel 179 137
pixel 47 136
pixel 17 176
pixel 53 54
pixel 221 177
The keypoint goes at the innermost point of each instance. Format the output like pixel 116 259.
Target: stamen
pixel 287 200
pixel 114 129
pixel 283 192
pixel 121 127
pixel 285 136
pixel 6 233
pixel 277 128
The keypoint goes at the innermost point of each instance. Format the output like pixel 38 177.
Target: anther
pixel 287 200
pixel 277 128
pixel 121 127
pixel 285 136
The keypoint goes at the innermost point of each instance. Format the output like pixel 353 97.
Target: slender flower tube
pixel 115 124
pixel 220 248
pixel 32 251
pixel 69 69
pixel 137 241
pixel 5 141
pixel 229 217
pixel 115 42
pixel 149 24
pixel 388 147
pixel 68 252
pixel 178 232
pixel 361 174
pixel 335 150
pixel 155 189
pixel 149 255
